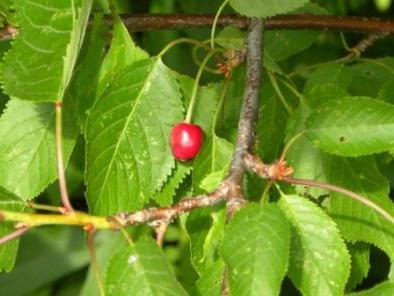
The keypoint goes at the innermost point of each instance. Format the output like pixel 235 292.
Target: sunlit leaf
pixel 41 62
pixel 128 151
pixel 319 261
pixel 141 269
pixel 256 249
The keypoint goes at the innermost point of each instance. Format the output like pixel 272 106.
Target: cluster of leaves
pixel 119 106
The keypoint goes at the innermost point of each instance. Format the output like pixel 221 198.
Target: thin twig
pixel 60 158
pixel 93 258
pixel 356 51
pixel 160 233
pixel 343 191
pixel 17 233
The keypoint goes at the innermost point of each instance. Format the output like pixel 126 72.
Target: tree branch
pixel 148 22
pixel 157 216
pixel 151 22
pixel 249 110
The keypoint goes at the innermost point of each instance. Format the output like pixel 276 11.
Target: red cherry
pixel 186 140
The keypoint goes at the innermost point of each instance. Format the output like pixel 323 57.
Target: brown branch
pixel 248 114
pixel 157 216
pixel 148 22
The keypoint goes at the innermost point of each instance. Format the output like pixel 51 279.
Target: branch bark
pixel 248 114
pixel 149 22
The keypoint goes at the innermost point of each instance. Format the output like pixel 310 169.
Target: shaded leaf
pixel 128 151
pixel 368 78
pixel 205 228
pixel 46 255
pixel 337 74
pixel 214 157
pixel 210 282
pixel 360 264
pixel 85 78
pixel 206 105
pixel 256 249
pixel 141 268
pixel 352 126
pixel 231 37
pixel 265 8
pixel 382 289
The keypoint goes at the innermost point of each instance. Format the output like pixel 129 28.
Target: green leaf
pixel 382 289
pixel 122 53
pixel 323 93
pixel 352 126
pixel 214 157
pixel 9 250
pixel 46 255
pixel 83 87
pixel 210 282
pixel 205 229
pixel 356 221
pixel 386 93
pixel 360 264
pixel 128 151
pixel 282 44
pixel 265 8
pixel 337 74
pixel 256 249
pixel 40 64
pixel 142 269
pixel 27 146
pixel 271 124
pixel 369 77
pixel 105 243
pixel 319 261
pixel 166 195
pixel 231 37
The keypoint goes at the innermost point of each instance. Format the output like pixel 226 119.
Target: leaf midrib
pixel 129 117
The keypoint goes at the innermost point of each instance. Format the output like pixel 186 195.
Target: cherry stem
pixel 196 84
pixel 60 160
pixel 13 235
pixel 93 258
pixel 179 41
pixel 279 92
pixel 344 191
pixel 289 145
pixel 215 21
pixel 160 233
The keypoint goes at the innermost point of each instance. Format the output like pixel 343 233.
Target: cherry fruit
pixel 186 140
